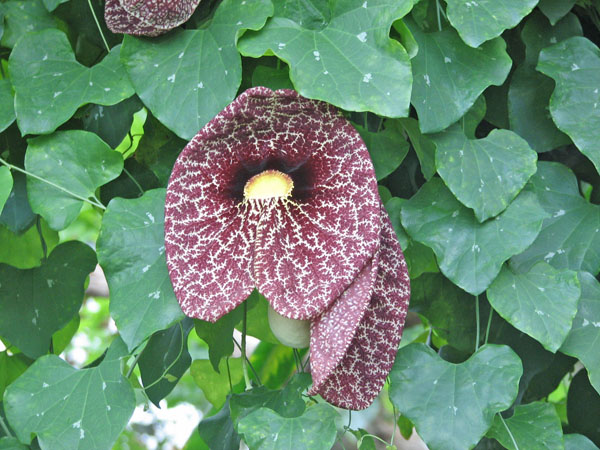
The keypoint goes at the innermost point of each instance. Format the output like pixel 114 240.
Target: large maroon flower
pixel 147 17
pixel 278 193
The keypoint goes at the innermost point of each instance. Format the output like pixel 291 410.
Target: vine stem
pixel 249 363
pixel 98 25
pixel 94 202
pixel 512 438
pixel 135 361
pixel 489 324
pixel 244 366
pixel 477 320
pixel 5 428
pixel 139 186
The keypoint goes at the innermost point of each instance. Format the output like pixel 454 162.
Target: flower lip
pixel 268 184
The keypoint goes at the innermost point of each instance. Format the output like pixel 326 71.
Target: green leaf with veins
pixel 534 426
pixel 68 408
pixel 165 359
pixel 198 70
pixel 7 101
pixel 481 20
pixel 77 163
pixel 11 368
pixel 583 339
pixel 574 64
pixel 342 55
pixel 50 84
pixel 24 251
pixel 570 235
pixel 575 441
pixel 468 252
pixel 28 319
pixel 315 429
pixel 453 405
pixel 541 302
pixel 387 148
pixel 23 17
pixel 484 174
pixel 449 76
pixel 131 250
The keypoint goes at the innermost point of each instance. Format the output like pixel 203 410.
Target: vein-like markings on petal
pixel 310 249
pixel 359 377
pixel 118 20
pixel 147 17
pixel 165 14
pixel 332 332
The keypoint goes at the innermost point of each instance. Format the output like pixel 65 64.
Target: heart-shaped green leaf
pixel 482 20
pixel 449 76
pixel 453 405
pixel 541 302
pixel 68 408
pixel 76 163
pixel 574 65
pixel 499 165
pixel 315 429
pixel 131 250
pixel 555 10
pixel 28 317
pixel 343 56
pixel 50 84
pixel 534 426
pixel 570 237
pixel 198 70
pixel 22 17
pixel 470 253
pixel 583 340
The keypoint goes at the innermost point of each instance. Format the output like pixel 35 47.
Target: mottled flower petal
pixel 332 332
pixel 147 17
pixel 359 377
pixel 301 253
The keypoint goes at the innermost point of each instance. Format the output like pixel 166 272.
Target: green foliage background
pixel 483 122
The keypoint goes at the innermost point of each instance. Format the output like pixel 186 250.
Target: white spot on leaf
pixel 362 37
pixel 367 78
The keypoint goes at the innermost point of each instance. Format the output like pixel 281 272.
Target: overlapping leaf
pixel 131 250
pixel 583 339
pixel 7 109
pixel 574 65
pixel 215 385
pixel 481 20
pixel 50 84
pixel 24 16
pixel 28 318
pixel 498 166
pixel 387 148
pixel 555 10
pixel 534 426
pixel 470 253
pixel 569 238
pixel 219 335
pixel 449 76
pixel 315 429
pixel 6 184
pixel 75 163
pixel 68 408
pixel 541 302
pixel 453 405
pixel 343 56
pixel 199 71
pixel 583 407
pixel 24 251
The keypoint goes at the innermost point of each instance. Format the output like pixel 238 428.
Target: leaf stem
pixel 5 428
pixel 395 425
pixel 98 25
pixel 94 202
pixel 38 225
pixel 477 321
pixel 489 324
pixel 243 349
pixel 229 375
pixel 138 185
pixel 135 361
pixel 437 9
pixel 512 438
pixel 249 363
